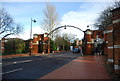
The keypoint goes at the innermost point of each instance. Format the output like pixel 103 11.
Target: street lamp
pixel 31 35
pixel 65 27
pixel 87 26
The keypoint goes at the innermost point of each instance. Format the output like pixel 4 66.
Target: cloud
pixel 86 15
pixel 78 19
pixel 75 19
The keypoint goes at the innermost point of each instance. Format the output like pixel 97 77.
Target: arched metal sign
pixel 65 28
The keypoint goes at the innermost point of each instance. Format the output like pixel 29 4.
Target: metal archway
pixel 65 28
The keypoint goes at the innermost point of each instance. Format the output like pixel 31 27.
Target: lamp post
pixel 31 35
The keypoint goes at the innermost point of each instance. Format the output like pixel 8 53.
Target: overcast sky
pixel 79 14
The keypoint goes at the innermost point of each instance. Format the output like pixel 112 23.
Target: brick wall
pixel 105 44
pixel 90 36
pixel 109 42
pixel 116 28
pixel 97 32
pixel 40 44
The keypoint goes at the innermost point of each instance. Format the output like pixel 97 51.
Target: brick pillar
pixel 105 43
pixel 116 28
pixel 35 43
pixel 48 46
pixel 109 33
pixel 88 38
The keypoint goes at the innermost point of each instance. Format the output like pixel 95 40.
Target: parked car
pixel 76 50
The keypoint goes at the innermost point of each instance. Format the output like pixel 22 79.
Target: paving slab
pixel 86 67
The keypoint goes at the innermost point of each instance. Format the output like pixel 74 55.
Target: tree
pixel 62 42
pixel 53 46
pixel 27 48
pixel 51 18
pixel 116 4
pixel 59 41
pixel 7 25
pixel 14 46
pixel 20 45
pixel 69 37
pixel 105 17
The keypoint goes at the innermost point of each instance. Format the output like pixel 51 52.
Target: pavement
pixel 19 55
pixel 86 67
pixel 26 55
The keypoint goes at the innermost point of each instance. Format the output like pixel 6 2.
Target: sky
pixel 79 14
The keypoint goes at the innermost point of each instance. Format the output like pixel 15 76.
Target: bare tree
pixel 105 17
pixel 116 4
pixel 51 18
pixel 7 25
pixel 69 36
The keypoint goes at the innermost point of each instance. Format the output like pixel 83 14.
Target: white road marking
pixel 18 62
pixel 0 63
pixel 11 71
pixel 22 61
pixel 14 62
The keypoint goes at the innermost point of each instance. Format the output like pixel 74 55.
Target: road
pixel 33 67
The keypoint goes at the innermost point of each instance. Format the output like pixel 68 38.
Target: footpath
pixel 86 67
pixel 20 55
pixel 13 56
pixel 27 54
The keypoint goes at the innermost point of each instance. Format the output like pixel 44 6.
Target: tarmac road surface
pixel 34 67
